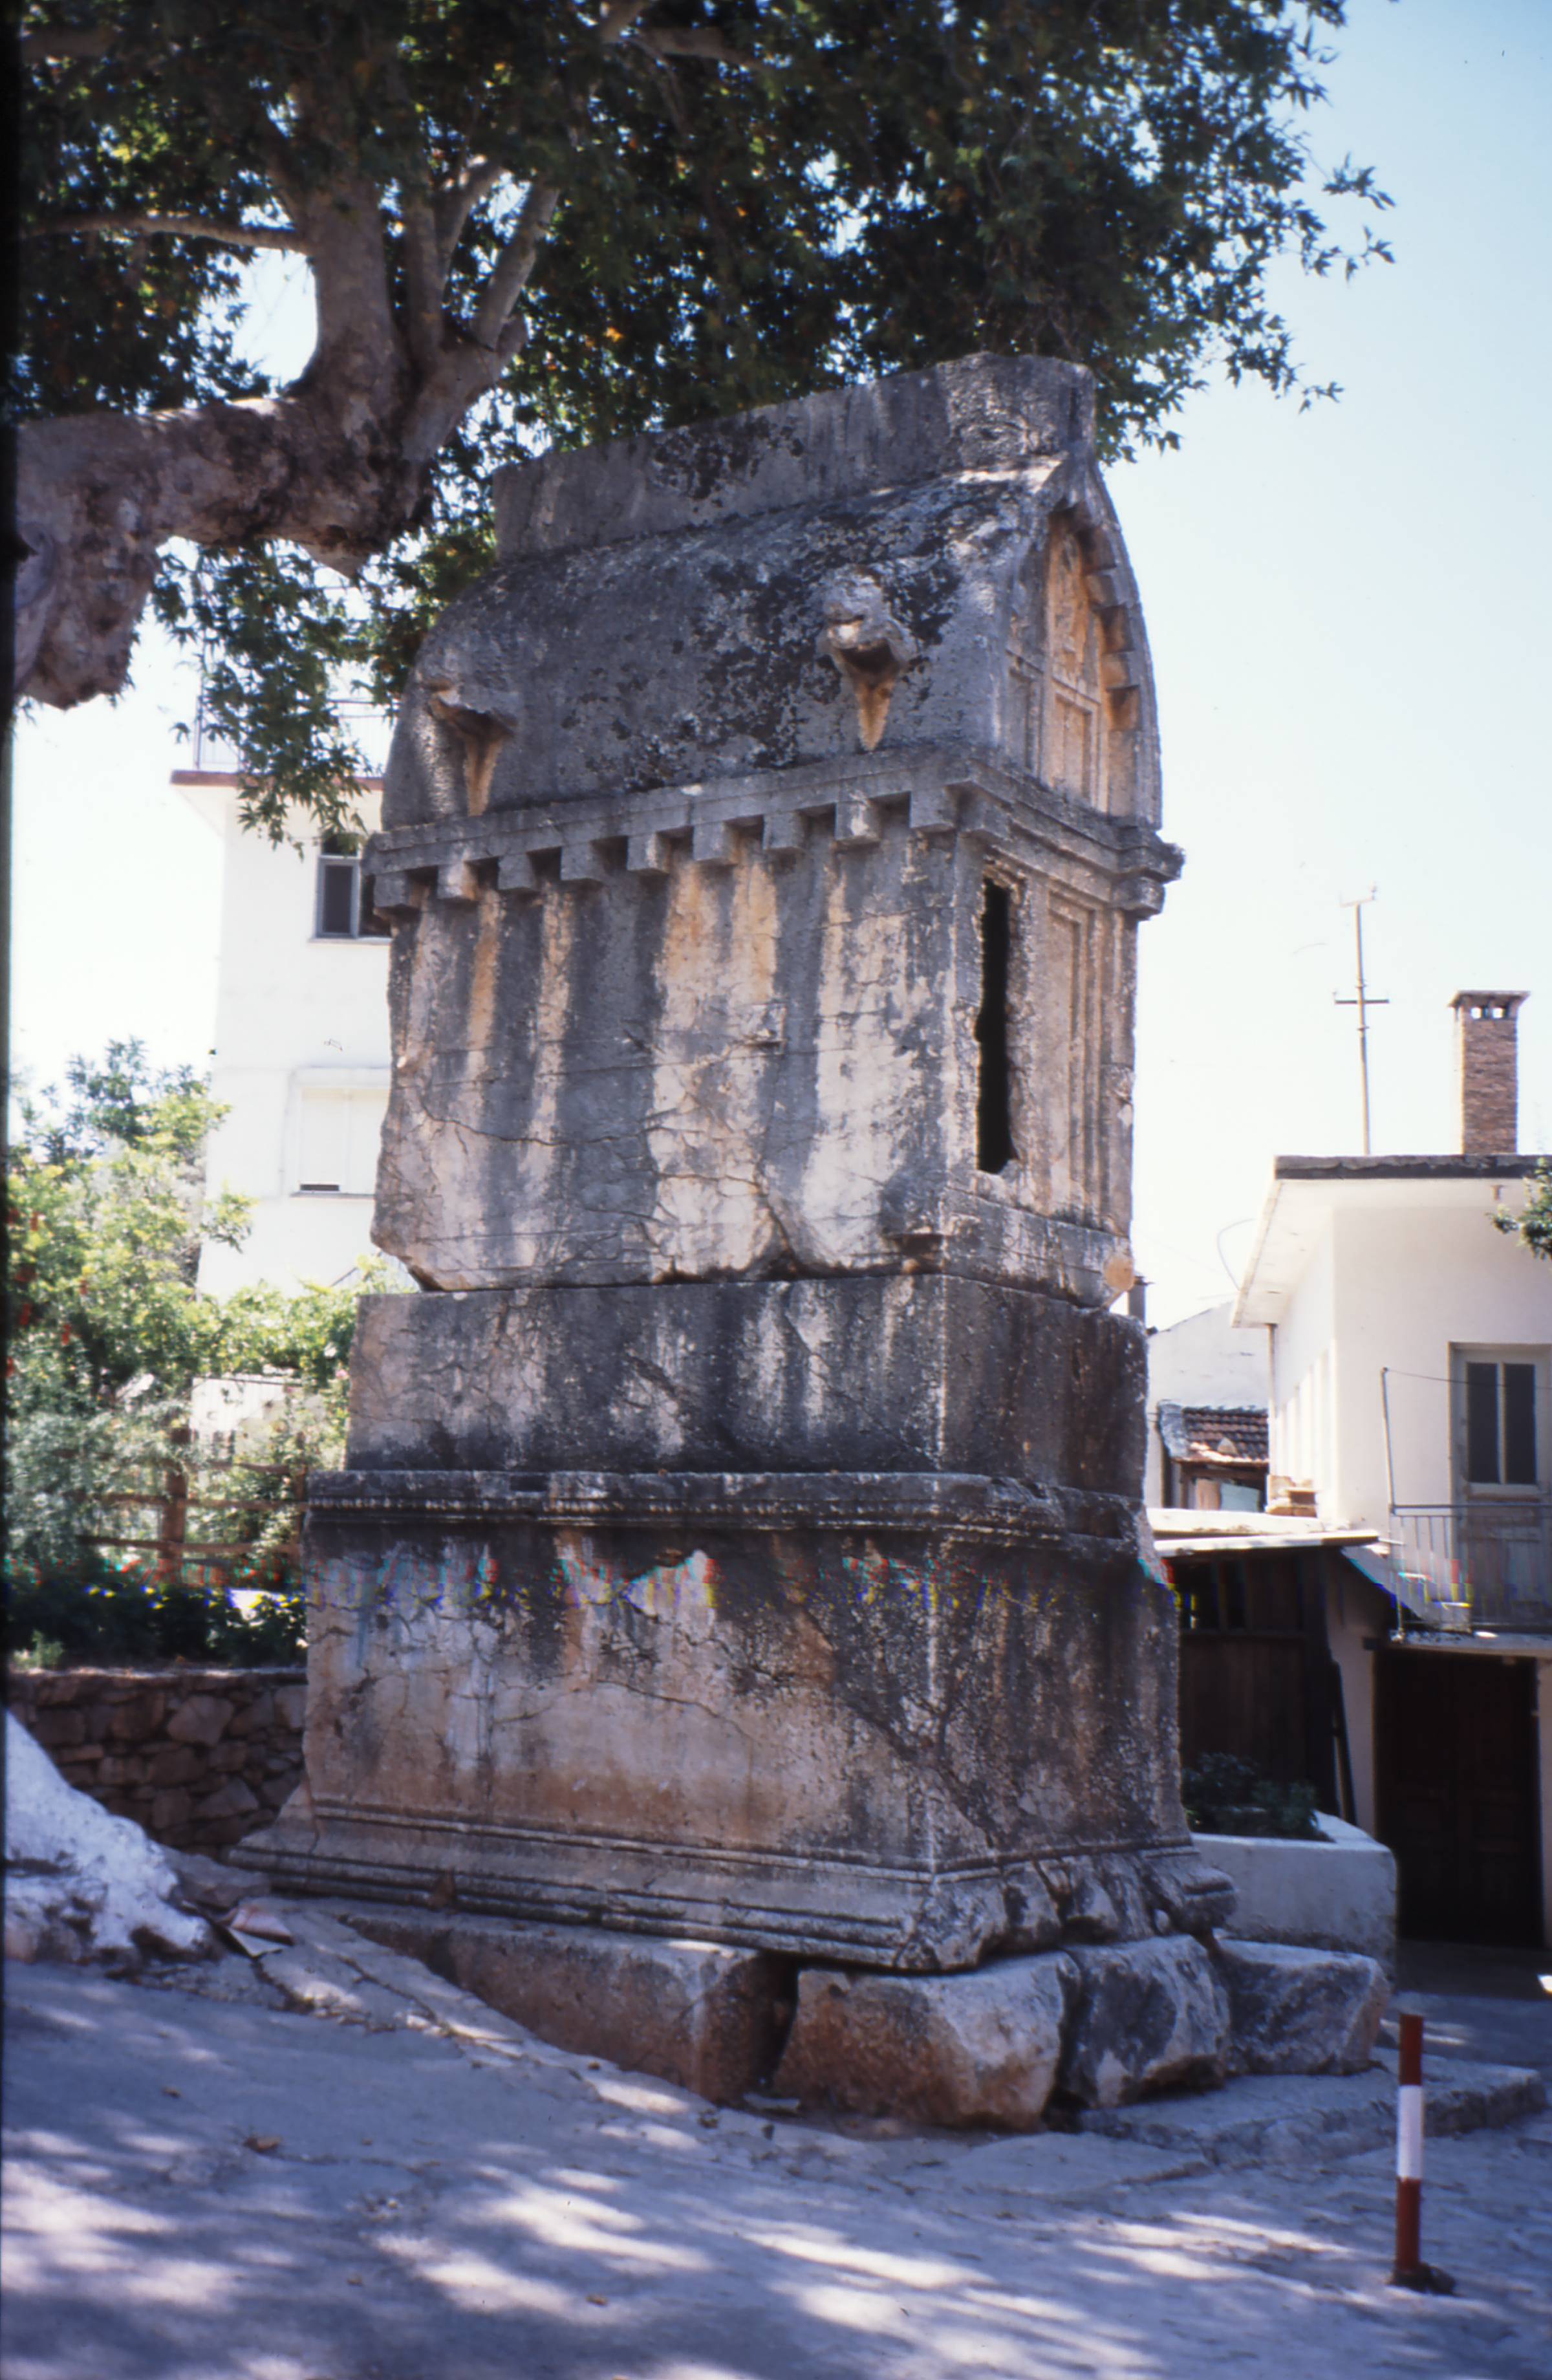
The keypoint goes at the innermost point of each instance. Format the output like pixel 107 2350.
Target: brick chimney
pixel 1490 1072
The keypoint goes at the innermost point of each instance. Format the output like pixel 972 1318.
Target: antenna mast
pixel 1363 1001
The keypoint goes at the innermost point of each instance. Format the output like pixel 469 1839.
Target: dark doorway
pixel 1457 1772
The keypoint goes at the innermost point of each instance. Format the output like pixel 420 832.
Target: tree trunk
pixel 100 495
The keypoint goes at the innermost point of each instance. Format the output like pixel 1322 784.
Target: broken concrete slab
pixel 1299 2011
pixel 982 2049
pixel 1150 2014
pixel 693 2013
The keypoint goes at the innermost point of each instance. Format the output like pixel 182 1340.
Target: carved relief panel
pixel 1074 668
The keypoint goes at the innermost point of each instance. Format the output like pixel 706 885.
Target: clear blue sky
pixel 1350 629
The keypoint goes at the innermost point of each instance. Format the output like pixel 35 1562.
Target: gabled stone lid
pixel 930 564
pixel 984 413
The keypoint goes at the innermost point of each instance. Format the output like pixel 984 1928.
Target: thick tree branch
pixel 424 275
pixel 135 226
pixel 689 41
pixel 513 269
pixel 457 200
pixel 99 494
pixel 93 42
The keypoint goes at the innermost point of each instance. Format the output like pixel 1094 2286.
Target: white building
pixel 301 1055
pixel 1411 1392
pixel 1203 1367
pixel 1411 1342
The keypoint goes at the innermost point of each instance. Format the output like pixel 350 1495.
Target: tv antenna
pixel 1362 1000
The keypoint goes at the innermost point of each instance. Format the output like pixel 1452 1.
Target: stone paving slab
pixel 204 2187
pixel 1269 2117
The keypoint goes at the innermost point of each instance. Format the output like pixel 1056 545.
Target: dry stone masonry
pixel 741 1533
pixel 198 1757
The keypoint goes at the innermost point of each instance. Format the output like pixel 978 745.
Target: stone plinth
pixel 707 2018
pixel 898 1718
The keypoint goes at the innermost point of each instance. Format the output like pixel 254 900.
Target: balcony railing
pixel 369 728
pixel 1486 1564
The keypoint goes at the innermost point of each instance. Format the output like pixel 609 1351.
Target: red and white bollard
pixel 1410 2272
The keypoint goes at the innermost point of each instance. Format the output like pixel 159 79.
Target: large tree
pixel 536 218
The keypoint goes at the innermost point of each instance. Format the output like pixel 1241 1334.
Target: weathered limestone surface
pixel 902 1372
pixel 1151 2014
pixel 1299 2011
pixel 741 1536
pixel 688 831
pixel 982 2049
pixel 706 2018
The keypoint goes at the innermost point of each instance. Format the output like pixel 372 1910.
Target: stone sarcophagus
pixel 741 1535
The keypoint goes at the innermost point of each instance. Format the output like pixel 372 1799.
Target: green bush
pixel 1224 1795
pixel 110 1618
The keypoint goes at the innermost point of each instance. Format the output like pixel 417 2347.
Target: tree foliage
pixel 563 222
pixel 1533 1226
pixel 108 1331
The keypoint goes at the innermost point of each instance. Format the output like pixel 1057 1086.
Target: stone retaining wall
pixel 199 1757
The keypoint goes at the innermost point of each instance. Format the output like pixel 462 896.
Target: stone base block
pixel 982 2049
pixel 1299 2011
pixel 706 2018
pixel 871 1372
pixel 1150 2014
pixel 903 1720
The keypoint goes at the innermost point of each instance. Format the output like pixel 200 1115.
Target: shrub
pixel 1225 1795
pixel 107 1617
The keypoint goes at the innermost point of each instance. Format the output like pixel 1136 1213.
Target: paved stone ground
pixel 206 2183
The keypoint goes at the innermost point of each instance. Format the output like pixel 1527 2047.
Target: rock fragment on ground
pixel 80 1883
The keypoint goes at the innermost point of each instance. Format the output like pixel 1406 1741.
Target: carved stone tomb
pixel 740 1533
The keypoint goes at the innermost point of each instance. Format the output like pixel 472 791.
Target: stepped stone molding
pixel 533 851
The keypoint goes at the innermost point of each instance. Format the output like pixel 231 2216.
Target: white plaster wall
pixel 293 1010
pixel 1304 1417
pixel 1411 1282
pixel 1204 1361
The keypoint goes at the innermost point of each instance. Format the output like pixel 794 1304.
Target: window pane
pixel 1519 1432
pixel 336 896
pixel 325 1141
pixel 1482 1423
pixel 367 1111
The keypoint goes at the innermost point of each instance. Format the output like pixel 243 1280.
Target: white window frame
pixel 1489 1492
pixel 341 860
pixel 335 1081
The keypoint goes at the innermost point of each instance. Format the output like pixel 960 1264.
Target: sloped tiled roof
pixel 1214 1433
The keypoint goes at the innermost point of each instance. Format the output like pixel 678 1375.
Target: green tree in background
pixel 563 222
pixel 1533 1226
pixel 107 1332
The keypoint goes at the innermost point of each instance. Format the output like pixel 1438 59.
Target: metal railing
pixel 1487 1563
pixel 369 728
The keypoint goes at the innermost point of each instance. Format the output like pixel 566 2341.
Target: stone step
pixel 1278 2118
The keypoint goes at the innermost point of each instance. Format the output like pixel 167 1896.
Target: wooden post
pixel 1410 2272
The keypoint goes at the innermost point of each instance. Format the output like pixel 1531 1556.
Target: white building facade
pixel 302 1054
pixel 1411 1393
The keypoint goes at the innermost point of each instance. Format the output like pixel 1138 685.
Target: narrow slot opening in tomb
pixel 994 1128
